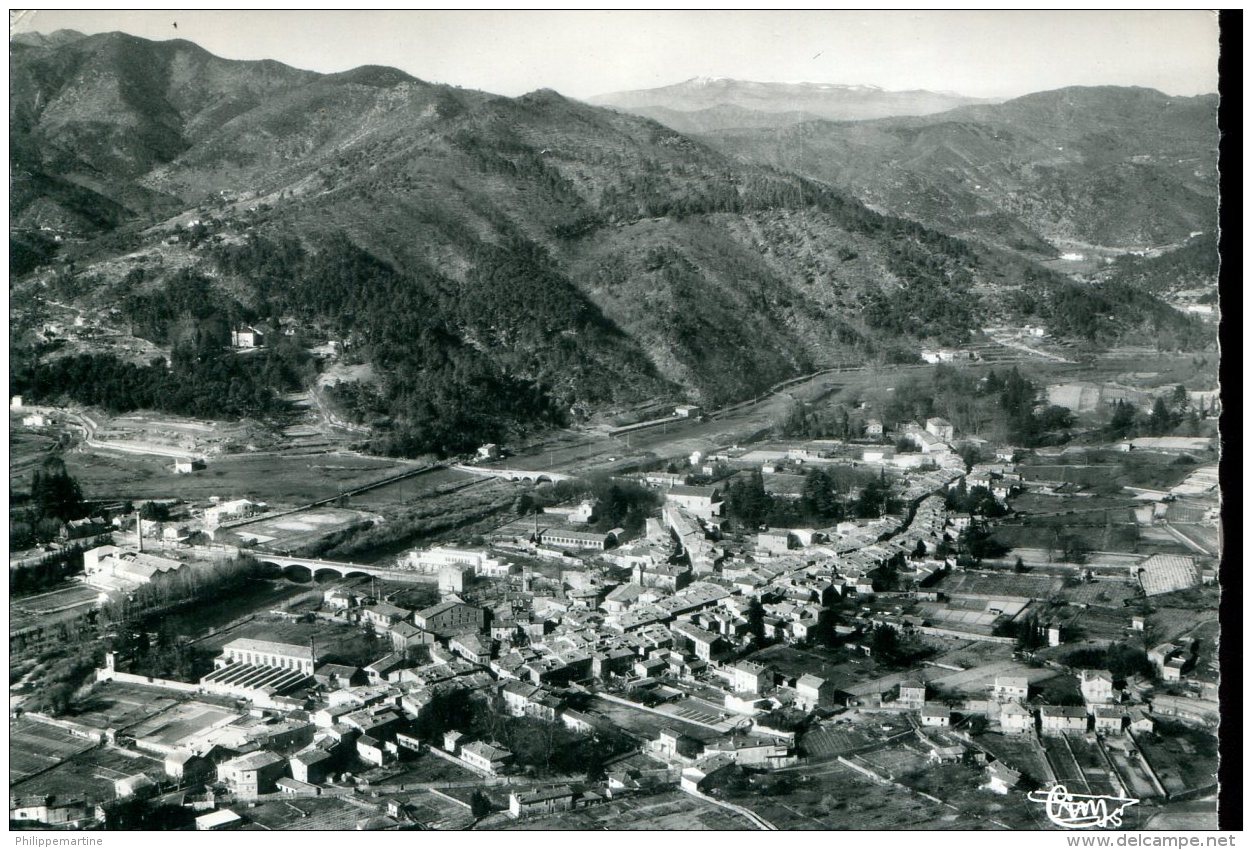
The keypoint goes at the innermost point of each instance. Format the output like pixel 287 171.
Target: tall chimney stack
pixel 139 529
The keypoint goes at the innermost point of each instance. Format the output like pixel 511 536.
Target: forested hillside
pixel 501 263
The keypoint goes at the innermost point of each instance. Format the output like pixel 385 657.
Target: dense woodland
pixel 208 384
pixel 426 335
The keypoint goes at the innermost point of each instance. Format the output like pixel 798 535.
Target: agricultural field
pixel 1107 472
pixel 1133 774
pixel 1092 623
pixel 835 665
pixel 417 769
pixel 1184 761
pixel 834 796
pixel 992 585
pixel 91 773
pixel 1192 814
pixel 959 786
pixel 1095 769
pixel 829 740
pixel 671 810
pixel 1111 594
pixel 1065 766
pixel 275 479
pixel 343 638
pixel 1019 752
pixel 895 762
pixel 307 813
pixel 978 680
pixel 26 450
pixel 36 746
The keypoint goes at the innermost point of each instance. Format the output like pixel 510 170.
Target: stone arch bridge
pixel 532 475
pixel 310 569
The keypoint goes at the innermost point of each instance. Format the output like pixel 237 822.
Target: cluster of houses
pixel 1105 709
pixel 661 618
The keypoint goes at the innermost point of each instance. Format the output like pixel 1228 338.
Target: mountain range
pixel 705 104
pixel 497 261
pixel 1123 168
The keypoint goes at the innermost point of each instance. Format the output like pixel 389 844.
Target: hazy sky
pixel 983 54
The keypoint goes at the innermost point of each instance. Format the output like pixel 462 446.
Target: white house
pixel 941 428
pixel 1011 688
pixel 1001 779
pixel 246 337
pixel 935 714
pixel 1096 686
pixel 1060 719
pixel 912 694
pixel 750 677
pixel 814 692
pixel 1015 719
pixel 484 756
pixel 703 502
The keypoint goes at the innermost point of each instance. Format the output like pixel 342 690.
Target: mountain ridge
pixel 498 261
pixel 829 101
pixel 1114 166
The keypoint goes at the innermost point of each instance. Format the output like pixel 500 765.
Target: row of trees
pixel 827 496
pixel 193 581
pixel 55 497
pixel 1165 418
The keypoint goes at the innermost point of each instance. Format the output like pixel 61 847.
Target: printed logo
pixel 1081 811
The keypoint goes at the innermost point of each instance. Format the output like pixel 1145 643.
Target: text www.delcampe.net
pixel 1150 841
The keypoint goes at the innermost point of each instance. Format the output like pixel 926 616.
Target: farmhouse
pixel 383 615
pixel 1108 719
pixel 1096 686
pixel 750 677
pixel 1001 779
